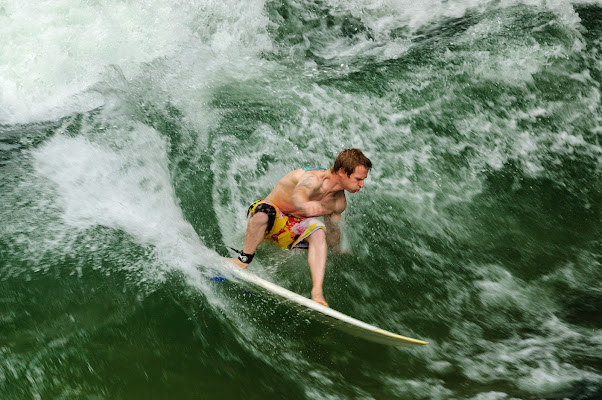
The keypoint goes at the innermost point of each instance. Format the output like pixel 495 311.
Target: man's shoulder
pixel 309 178
pixel 292 176
pixel 295 175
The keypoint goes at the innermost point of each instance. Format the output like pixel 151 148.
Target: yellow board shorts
pixel 286 231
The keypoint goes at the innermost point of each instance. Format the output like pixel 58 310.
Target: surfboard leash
pixel 243 257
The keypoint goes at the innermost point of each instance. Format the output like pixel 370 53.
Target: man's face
pixel 354 182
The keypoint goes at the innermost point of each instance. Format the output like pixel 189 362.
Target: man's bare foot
pixel 318 298
pixel 238 263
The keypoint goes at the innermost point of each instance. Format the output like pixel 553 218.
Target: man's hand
pixel 313 209
pixel 238 263
pixel 308 185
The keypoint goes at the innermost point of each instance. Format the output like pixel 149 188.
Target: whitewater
pixel 134 135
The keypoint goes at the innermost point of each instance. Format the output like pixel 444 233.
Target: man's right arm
pixel 307 185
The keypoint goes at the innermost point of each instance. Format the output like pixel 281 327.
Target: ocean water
pixel 133 135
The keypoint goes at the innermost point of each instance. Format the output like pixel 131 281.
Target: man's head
pixel 349 159
pixel 352 167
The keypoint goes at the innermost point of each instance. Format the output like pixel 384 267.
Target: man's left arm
pixel 333 231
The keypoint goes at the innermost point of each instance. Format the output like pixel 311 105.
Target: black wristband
pixel 245 258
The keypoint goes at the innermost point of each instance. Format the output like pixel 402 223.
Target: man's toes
pixel 323 302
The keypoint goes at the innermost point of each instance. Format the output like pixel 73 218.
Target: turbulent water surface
pixel 133 134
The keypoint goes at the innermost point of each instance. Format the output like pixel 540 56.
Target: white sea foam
pixel 492 396
pixel 54 51
pixel 50 62
pixel 127 189
pixel 538 364
pixel 427 388
pixel 159 52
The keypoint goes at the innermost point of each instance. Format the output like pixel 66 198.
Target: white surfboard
pixel 324 314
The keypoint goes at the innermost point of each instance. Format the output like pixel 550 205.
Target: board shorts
pixel 286 231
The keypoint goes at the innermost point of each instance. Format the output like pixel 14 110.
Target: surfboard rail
pixel 326 315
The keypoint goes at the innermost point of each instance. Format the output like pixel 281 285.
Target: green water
pixel 134 136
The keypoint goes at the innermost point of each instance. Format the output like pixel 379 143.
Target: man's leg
pixel 316 258
pixel 255 233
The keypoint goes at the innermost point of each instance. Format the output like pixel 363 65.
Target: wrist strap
pixel 245 257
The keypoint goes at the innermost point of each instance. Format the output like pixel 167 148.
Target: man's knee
pixel 266 215
pixel 318 237
pixel 259 218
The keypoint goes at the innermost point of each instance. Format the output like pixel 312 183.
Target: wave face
pixel 133 135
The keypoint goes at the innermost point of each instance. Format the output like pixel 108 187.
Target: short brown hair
pixel 349 159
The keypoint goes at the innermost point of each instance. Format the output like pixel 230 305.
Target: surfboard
pixel 324 314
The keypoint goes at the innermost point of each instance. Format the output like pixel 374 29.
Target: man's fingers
pixel 314 209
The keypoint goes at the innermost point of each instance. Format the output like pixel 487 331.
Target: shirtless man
pixel 287 215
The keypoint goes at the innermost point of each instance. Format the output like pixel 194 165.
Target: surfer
pixel 287 216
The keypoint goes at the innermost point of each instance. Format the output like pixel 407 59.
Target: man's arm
pixel 333 231
pixel 307 185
